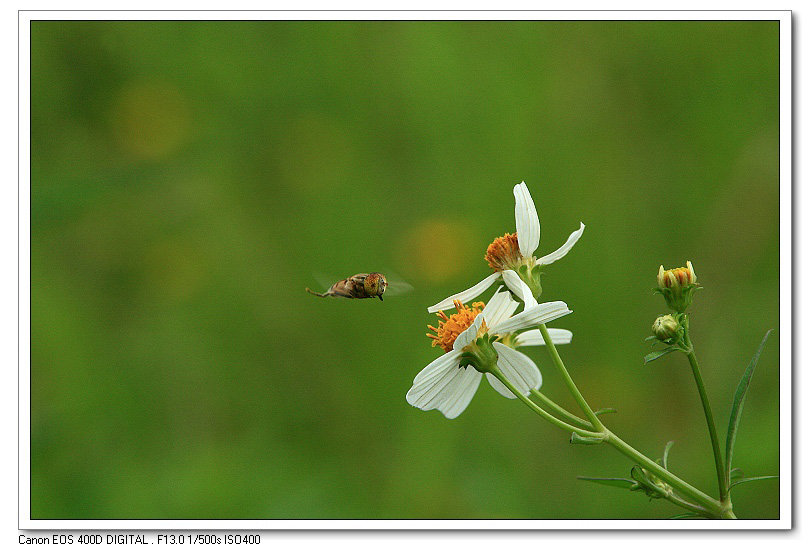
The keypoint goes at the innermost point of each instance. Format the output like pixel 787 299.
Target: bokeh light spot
pixel 150 121
pixel 439 250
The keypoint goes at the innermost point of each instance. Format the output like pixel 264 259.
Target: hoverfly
pixel 363 285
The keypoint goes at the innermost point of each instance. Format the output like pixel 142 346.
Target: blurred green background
pixel 189 177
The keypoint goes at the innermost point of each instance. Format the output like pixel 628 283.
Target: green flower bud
pixel 677 286
pixel 665 327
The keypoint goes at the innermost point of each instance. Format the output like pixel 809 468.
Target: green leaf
pixel 747 479
pixel 666 453
pixel 582 440
pixel 650 357
pixel 604 411
pixel 686 515
pixel 620 482
pixel 737 404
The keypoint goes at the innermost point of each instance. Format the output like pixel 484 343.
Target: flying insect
pixel 362 285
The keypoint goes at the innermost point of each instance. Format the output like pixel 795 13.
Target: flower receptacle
pixel 481 354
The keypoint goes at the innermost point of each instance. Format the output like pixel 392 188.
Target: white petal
pixel 532 316
pixel 469 334
pixel 460 392
pixel 466 295
pixel 521 289
pixel 431 382
pixel 499 308
pixel 499 387
pixel 534 337
pixel 563 250
pixel 518 369
pixel 526 221
pixel 438 365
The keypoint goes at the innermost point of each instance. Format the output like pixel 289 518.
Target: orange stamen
pixel 450 327
pixel 504 252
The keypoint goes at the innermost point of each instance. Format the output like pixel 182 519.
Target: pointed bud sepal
pixel 677 286
pixel 481 354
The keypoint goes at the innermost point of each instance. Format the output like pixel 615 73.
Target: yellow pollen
pixel 450 327
pixel 504 252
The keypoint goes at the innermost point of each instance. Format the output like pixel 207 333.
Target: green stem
pixel 571 418
pixel 532 405
pixel 569 381
pixel 707 409
pixel 715 509
pixel 710 506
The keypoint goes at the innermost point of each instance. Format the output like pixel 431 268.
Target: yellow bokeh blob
pixel 150 121
pixel 439 250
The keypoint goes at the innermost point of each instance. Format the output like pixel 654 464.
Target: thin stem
pixel 678 501
pixel 707 409
pixel 533 406
pixel 715 508
pixel 572 418
pixel 569 381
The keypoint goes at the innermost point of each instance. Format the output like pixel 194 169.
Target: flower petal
pixel 465 295
pixel 469 334
pixel 532 316
pixel 499 308
pixel 563 250
pixel 438 365
pixel 460 392
pixel 432 381
pixel 535 338
pixel 518 369
pixel 521 289
pixel 499 387
pixel 526 221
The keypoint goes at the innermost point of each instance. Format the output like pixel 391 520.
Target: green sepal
pixel 604 411
pixel 747 479
pixel 666 454
pixel 621 482
pixel 583 440
pixel 737 405
pixel 646 484
pixel 652 356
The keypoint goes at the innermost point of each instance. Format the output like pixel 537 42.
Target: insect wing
pixel 396 286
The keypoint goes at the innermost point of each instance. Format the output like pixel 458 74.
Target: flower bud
pixel 677 286
pixel 665 327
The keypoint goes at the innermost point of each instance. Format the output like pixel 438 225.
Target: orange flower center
pixel 450 327
pixel 504 252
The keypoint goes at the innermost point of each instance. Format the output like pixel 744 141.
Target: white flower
pixel 447 386
pixel 511 251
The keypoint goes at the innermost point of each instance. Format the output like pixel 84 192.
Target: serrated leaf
pixel 686 515
pixel 650 357
pixel 747 479
pixel 736 473
pixel 604 411
pixel 620 482
pixel 583 440
pixel 666 453
pixel 737 404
